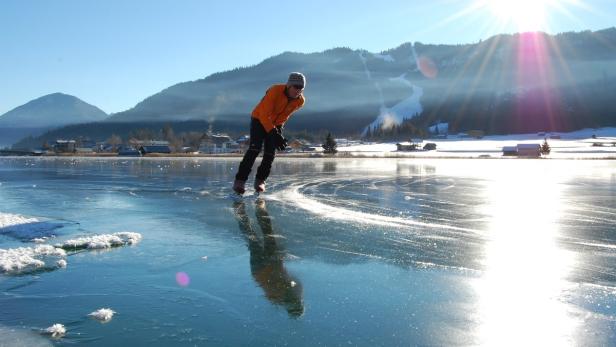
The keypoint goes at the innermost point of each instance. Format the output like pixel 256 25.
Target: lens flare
pixel 182 279
pixel 427 67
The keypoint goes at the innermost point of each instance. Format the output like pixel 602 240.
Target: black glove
pixel 280 143
pixel 284 144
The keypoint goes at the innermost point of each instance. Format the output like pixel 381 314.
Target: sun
pixel 507 16
pixel 526 15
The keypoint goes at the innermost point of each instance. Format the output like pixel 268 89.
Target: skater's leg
pixel 257 135
pixel 263 172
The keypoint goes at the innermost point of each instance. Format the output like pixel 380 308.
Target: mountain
pixel 52 110
pixel 509 83
pixel 344 83
pixel 45 113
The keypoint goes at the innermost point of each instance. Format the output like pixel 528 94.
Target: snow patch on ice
pixel 9 220
pixel 56 330
pixel 26 228
pixel 102 241
pixel 103 314
pixel 27 259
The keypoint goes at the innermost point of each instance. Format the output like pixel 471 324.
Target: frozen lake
pixel 368 252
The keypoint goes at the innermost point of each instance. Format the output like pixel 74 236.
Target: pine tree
pixel 545 147
pixel 330 145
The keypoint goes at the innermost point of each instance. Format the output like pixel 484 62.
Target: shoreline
pixel 339 155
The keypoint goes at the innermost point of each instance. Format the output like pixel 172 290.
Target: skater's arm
pixel 283 118
pixel 265 110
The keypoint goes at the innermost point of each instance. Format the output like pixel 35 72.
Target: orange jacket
pixel 276 107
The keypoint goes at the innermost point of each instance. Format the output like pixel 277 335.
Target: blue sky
pixel 114 53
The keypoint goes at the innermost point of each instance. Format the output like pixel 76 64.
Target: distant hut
pixel 430 146
pixel 127 151
pixel 510 150
pixel 529 149
pixel 406 146
pixel 152 149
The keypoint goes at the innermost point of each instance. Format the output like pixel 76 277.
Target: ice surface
pixel 352 240
pixel 102 241
pixel 103 314
pixel 27 259
pixel 293 193
pixel 16 337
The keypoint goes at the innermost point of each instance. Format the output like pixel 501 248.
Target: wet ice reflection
pixel 520 293
pixel 267 260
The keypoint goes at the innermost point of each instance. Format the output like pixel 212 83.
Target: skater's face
pixel 295 90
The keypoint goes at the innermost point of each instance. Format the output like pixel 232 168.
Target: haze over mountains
pixel 506 84
pixel 45 113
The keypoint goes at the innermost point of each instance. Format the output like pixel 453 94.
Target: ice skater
pixel 266 125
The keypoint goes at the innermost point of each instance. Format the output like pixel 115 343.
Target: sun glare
pixel 526 269
pixel 526 15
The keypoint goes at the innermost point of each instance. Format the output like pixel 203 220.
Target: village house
pixel 64 146
pixel 153 147
pixel 218 144
pixel 128 151
pixel 298 145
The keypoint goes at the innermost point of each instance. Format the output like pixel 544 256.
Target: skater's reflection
pixel 267 261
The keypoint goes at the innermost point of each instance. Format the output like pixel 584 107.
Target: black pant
pixel 258 136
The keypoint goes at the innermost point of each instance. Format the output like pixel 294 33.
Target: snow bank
pixel 103 314
pixel 573 145
pixel 27 259
pixel 102 241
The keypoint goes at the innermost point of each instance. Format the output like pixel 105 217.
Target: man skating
pixel 266 124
